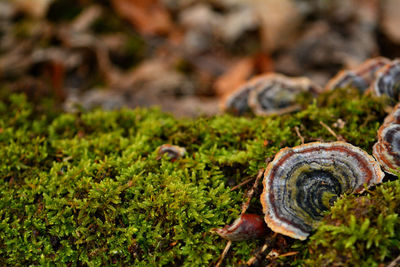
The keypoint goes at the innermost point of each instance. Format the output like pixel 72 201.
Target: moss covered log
pixel 87 188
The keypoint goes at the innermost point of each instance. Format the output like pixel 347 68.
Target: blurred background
pixel 181 55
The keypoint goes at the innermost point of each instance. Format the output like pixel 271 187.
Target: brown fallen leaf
pixel 241 70
pixel 279 21
pixel 263 63
pixel 390 19
pixel 34 8
pixel 148 16
pixel 234 76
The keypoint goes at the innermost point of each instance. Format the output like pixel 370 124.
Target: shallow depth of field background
pixel 182 55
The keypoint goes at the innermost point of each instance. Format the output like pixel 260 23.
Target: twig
pixel 250 194
pixel 269 242
pixel 292 253
pixel 242 183
pixel 339 138
pixel 257 256
pixel 299 134
pixel 395 262
pixel 226 249
pixel 244 208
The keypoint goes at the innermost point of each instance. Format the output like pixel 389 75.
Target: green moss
pixel 360 230
pixel 86 188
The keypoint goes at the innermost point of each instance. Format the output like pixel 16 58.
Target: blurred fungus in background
pixel 182 55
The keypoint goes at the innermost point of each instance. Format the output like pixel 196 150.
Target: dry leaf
pixel 148 16
pixel 237 22
pixel 391 19
pixel 86 18
pixel 236 75
pixel 279 20
pixel 34 8
pixel 263 63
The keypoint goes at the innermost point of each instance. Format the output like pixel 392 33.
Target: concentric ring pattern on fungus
pixel 387 81
pixel 360 77
pixel 237 101
pixel 276 93
pixel 387 149
pixel 393 117
pixel 303 181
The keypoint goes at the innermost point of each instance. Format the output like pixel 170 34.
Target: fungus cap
pixel 303 181
pixel 387 81
pixel 276 93
pixel 236 102
pixel 394 116
pixel 360 77
pixel 173 152
pixel 387 149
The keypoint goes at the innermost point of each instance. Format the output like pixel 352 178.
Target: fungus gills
pixel 304 181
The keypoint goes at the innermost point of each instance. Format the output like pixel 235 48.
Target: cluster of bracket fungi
pixel 304 181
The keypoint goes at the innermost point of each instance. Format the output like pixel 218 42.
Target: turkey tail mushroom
pixel 268 94
pixel 360 77
pixel 172 152
pixel 236 102
pixel 387 149
pixel 387 81
pixel 304 181
pixel 276 93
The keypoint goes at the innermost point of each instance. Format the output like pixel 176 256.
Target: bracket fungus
pixel 303 181
pixel 393 117
pixel 360 77
pixel 387 149
pixel 276 93
pixel 387 81
pixel 237 101
pixel 173 152
pixel 268 94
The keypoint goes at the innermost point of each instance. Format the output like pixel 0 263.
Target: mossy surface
pixel 359 230
pixel 88 189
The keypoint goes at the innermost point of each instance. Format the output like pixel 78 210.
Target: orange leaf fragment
pixel 148 16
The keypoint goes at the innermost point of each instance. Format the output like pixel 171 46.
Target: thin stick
pixel 244 208
pixel 395 262
pixel 242 183
pixel 299 134
pixel 250 194
pixel 292 253
pixel 339 138
pixel 257 256
pixel 226 249
pixel 269 242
